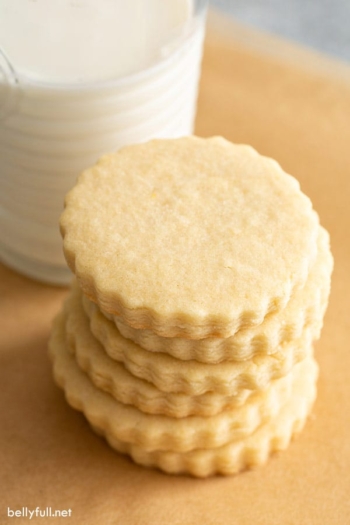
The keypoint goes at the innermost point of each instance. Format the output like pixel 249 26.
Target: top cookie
pixel 189 237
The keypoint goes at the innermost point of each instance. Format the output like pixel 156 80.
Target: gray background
pixel 321 24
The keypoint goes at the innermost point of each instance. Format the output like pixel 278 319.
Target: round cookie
pixel 189 237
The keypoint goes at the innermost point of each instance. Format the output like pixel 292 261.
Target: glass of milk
pixel 80 78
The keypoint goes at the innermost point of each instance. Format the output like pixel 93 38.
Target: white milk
pixel 121 71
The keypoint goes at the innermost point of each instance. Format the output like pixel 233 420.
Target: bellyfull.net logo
pixel 47 512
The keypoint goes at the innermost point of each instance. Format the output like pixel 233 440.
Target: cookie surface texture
pixel 190 237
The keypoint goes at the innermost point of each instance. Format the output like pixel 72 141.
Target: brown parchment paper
pixel 288 103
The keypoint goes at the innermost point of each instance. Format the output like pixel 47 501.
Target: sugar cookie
pixel 195 237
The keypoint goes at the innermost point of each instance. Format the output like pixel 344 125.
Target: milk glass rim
pixel 197 20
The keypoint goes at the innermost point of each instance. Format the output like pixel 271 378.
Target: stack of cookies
pixel 202 278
